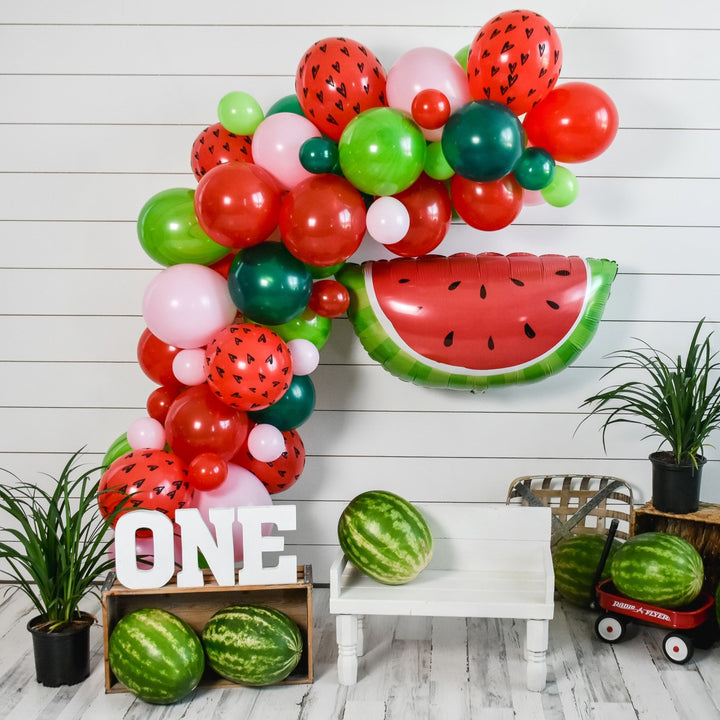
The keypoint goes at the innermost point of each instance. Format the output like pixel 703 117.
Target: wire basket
pixel 580 504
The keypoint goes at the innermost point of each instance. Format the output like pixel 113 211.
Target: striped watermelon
pixel 658 568
pixel 156 655
pixel 575 562
pixel 252 644
pixel 385 536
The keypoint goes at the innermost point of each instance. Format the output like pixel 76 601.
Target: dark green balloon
pixel 319 155
pixel 483 140
pixel 289 103
pixel 535 169
pixel 292 409
pixel 169 232
pixel 268 284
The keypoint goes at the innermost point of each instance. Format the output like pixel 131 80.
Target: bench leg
pixel 347 641
pixel 360 635
pixel 536 643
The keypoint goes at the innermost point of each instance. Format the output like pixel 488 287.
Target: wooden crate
pixel 197 605
pixel 701 529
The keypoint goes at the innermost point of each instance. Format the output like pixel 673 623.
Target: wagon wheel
pixel 678 648
pixel 610 628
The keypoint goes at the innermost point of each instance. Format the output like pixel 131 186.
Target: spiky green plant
pixel 678 400
pixel 57 546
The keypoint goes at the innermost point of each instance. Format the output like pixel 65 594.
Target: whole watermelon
pixel 156 655
pixel 385 536
pixel 252 644
pixel 575 561
pixel 658 568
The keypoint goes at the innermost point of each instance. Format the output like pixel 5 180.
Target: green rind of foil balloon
pixel 399 363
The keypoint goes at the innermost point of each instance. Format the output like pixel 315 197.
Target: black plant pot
pixel 675 488
pixel 61 658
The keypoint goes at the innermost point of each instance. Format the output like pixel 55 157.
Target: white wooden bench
pixel 489 561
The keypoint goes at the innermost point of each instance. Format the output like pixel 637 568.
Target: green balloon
pixel 289 103
pixel 318 273
pixel 382 151
pixel 535 169
pixel 120 447
pixel 563 189
pixel 268 284
pixel 292 409
pixel 239 113
pixel 306 326
pixel 462 56
pixel 170 234
pixel 436 166
pixel 319 155
pixel 483 140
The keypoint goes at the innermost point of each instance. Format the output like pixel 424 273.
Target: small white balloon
pixel 266 443
pixel 189 368
pixel 305 356
pixel 387 220
pixel 146 433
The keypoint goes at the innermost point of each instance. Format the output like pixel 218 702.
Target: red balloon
pixel 487 205
pixel 322 220
pixel 430 209
pixel 156 358
pixel 575 122
pixel 279 474
pixel 430 109
pixel 336 80
pixel 515 59
pixel 329 298
pixel 215 145
pixel 159 401
pixel 149 479
pixel 207 471
pixel 249 366
pixel 198 422
pixel 222 266
pixel 237 204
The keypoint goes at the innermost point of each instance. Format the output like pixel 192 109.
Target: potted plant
pixel 54 547
pixel 678 401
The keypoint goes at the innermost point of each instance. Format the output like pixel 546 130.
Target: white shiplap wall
pixel 100 105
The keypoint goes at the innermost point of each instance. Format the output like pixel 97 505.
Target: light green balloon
pixel 436 165
pixel 563 189
pixel 462 56
pixel 240 113
pixel 307 326
pixel 169 231
pixel 382 151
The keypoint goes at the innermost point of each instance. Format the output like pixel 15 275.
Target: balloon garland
pixel 237 317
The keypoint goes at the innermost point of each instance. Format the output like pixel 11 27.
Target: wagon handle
pixel 603 559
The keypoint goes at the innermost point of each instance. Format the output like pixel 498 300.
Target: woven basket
pixel 580 504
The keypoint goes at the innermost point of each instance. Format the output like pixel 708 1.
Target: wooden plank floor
pixel 415 669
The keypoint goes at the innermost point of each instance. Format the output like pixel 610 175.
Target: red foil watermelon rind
pixel 385 343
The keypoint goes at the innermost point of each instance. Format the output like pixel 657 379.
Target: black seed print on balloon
pixel 529 331
pixel 448 341
pixel 483 292
pixel 553 304
pixel 454 285
pixel 517 282
pixel 491 343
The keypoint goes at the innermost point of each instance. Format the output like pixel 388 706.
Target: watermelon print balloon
pixel 336 80
pixel 474 321
pixel 281 474
pixel 515 59
pixel 144 479
pixel 249 366
pixel 215 145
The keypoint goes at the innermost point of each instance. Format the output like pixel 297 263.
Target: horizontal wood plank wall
pixel 101 104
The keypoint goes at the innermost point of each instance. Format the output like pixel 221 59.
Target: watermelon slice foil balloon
pixel 474 321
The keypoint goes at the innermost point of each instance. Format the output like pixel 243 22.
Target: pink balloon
pixel 305 356
pixel 387 220
pixel 427 68
pixel 241 488
pixel 189 366
pixel 185 305
pixel 145 433
pixel 276 146
pixel 266 443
